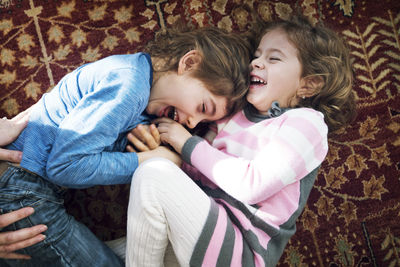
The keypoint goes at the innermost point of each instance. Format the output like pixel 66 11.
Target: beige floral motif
pixel 78 37
pixel 5 3
pixel 264 10
pixel 335 178
pixel 283 10
pixel 10 106
pixel 170 20
pixel 325 207
pixel 152 23
pixel 98 12
pixel 33 90
pixel 6 26
pixel 333 154
pixel 219 6
pixel 397 141
pixel 29 61
pixel 309 220
pixel 344 250
pixel 394 126
pixel 62 52
pixel 148 13
pixel 368 128
pixel 380 155
pixel 7 57
pixel 225 23
pixel 195 5
pixel 110 42
pixel 56 34
pixel 91 54
pixel 309 10
pixel 374 187
pixel 346 6
pixel 25 42
pixel 123 14
pixel 7 77
pixel 356 163
pixel 294 257
pixel 348 211
pixel 132 35
pixel 240 15
pixel 199 18
pixel 66 9
pixel 169 8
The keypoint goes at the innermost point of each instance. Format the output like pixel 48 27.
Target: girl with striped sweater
pixel 246 183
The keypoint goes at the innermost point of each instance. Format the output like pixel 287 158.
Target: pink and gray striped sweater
pixel 259 171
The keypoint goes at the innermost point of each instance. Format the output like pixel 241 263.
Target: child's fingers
pixel 155 133
pixel 130 148
pixel 147 137
pixel 10 155
pixel 139 145
pixel 162 119
pixel 7 251
pixel 12 217
pixel 15 256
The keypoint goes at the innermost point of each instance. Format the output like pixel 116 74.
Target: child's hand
pixel 12 241
pixel 10 129
pixel 143 138
pixel 160 151
pixel 172 133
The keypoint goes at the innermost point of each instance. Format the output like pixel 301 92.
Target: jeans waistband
pixel 3 167
pixel 5 164
pixel 35 181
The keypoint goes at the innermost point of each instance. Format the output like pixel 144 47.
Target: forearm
pixel 85 170
pixel 160 151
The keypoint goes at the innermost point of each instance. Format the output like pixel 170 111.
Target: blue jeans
pixel 68 242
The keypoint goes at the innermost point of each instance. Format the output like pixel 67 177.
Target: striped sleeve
pixel 279 151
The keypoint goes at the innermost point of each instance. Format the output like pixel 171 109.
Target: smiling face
pixel 185 100
pixel 276 72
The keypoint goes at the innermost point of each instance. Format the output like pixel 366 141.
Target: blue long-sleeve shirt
pixel 76 133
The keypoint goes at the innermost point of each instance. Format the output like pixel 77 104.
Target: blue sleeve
pixel 81 155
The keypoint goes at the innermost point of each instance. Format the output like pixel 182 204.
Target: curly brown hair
pixel 322 53
pixel 224 68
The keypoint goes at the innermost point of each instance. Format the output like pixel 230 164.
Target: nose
pixel 257 63
pixel 191 122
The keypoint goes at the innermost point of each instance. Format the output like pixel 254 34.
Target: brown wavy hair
pixel 224 68
pixel 323 53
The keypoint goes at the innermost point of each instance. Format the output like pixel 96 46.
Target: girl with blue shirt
pixel 76 135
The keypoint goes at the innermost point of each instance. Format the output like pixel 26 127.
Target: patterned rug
pixel 353 213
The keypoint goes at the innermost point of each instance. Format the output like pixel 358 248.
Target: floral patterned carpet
pixel 353 213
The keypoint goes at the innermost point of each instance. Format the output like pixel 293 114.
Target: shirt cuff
pixel 189 146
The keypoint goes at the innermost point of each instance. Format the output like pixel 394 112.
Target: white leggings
pixel 165 205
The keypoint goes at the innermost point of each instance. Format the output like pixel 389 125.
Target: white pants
pixel 165 205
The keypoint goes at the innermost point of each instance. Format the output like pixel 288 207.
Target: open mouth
pixel 172 114
pixel 257 81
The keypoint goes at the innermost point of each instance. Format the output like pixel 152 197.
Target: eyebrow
pixel 270 50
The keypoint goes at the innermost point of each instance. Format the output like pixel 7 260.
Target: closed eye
pixel 274 58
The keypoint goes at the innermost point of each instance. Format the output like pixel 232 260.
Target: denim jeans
pixel 68 242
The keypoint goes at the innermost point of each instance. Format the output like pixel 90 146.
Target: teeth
pixel 257 80
pixel 175 115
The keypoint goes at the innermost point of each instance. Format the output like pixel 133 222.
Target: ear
pixel 189 61
pixel 310 86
